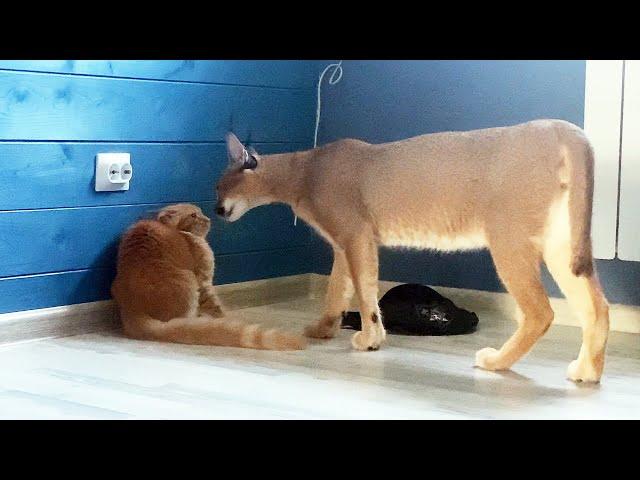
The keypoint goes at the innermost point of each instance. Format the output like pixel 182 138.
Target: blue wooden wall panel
pixel 60 288
pixel 47 175
pixel 64 288
pixel 58 237
pixel 39 106
pixel 269 73
pixel 39 241
pixel 381 101
pixel 234 268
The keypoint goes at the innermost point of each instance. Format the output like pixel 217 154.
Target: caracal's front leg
pixel 339 293
pixel 362 257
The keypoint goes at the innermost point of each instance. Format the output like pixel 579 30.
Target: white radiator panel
pixel 602 107
pixel 629 229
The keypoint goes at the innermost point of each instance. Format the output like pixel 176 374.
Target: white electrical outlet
pixel 113 172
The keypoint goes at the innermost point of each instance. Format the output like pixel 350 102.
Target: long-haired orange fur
pixel 164 288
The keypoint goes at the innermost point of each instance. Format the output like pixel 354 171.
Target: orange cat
pixel 164 289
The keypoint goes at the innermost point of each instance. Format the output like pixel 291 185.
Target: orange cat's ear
pixel 167 216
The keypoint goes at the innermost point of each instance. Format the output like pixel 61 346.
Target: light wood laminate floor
pixel 106 376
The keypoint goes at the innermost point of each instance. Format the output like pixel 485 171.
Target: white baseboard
pixel 93 317
pixel 57 321
pixel 623 318
pixel 102 316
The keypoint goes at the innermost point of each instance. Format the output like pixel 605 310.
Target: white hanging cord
pixel 335 77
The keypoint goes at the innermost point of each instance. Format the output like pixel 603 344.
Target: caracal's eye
pixel 193 215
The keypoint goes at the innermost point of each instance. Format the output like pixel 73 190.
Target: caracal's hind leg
pixel 362 256
pixel 339 293
pixel 586 299
pixel 518 265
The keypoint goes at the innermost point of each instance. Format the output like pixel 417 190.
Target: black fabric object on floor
pixel 413 309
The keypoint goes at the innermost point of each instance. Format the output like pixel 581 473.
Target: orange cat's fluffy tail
pixel 206 330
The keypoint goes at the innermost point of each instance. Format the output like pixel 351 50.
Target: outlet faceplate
pixel 113 172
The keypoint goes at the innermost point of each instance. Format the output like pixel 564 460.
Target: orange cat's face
pixel 186 217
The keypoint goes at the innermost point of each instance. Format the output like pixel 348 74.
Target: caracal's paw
pixel 323 329
pixel 488 359
pixel 369 340
pixel 583 371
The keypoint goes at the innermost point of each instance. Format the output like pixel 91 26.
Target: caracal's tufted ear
pixel 235 150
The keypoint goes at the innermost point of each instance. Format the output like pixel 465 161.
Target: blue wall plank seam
pixel 287 73
pixel 142 142
pixel 109 268
pixel 139 79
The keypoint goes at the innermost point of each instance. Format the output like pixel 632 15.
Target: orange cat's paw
pixel 209 303
pixel 214 310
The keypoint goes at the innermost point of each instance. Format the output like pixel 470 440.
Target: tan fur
pixel 500 188
pixel 164 289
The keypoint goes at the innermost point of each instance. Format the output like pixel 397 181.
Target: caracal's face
pixel 240 188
